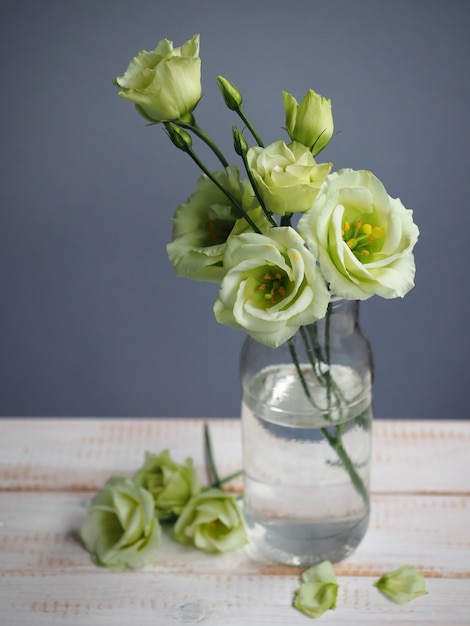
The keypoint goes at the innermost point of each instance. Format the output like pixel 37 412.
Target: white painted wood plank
pixel 421 456
pixel 147 598
pixel 79 454
pixel 39 533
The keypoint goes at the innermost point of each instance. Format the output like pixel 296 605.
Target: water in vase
pixel 301 504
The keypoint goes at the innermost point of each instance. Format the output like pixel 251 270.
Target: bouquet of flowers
pixel 351 238
pixel 280 240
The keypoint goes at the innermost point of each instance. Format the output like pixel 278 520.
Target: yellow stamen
pixel 262 287
pixel 365 252
pixel 347 226
pixel 367 229
pixel 377 232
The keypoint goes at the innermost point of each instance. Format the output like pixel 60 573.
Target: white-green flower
pixel 362 237
pixel 212 522
pixel 310 122
pixel 202 225
pixel 121 530
pixel 171 485
pixel 272 286
pixel 165 84
pixel 318 590
pixel 402 585
pixel 286 176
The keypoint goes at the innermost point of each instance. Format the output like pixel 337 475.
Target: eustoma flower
pixel 121 529
pixel 362 237
pixel 287 176
pixel 272 286
pixel 318 591
pixel 171 485
pixel 212 522
pixel 202 225
pixel 310 122
pixel 164 84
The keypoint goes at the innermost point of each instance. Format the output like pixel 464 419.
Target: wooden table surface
pixel 50 468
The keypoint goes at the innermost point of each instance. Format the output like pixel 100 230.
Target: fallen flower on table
pixel 121 530
pixel 402 585
pixel 212 522
pixel 172 485
pixel 318 591
pixel 122 527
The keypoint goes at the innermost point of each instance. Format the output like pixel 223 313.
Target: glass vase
pixel 306 424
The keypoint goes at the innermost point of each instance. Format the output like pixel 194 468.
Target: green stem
pixel 259 197
pixel 222 481
pixel 232 199
pixel 250 127
pixel 335 440
pixel 336 443
pixel 295 360
pixel 197 130
pixel 209 458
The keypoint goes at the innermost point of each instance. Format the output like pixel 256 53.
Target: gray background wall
pixel 92 320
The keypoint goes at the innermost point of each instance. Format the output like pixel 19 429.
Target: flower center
pixel 218 230
pixel 272 286
pixel 360 238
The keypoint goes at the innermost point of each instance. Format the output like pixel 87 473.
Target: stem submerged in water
pixel 315 356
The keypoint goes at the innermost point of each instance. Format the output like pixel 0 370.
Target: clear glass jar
pixel 306 423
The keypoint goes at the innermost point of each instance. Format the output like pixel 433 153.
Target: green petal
pixel 402 585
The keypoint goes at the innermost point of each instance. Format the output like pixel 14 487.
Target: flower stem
pixel 232 199
pixel 209 458
pixel 250 127
pixel 335 440
pixel 213 475
pixel 336 443
pixel 197 130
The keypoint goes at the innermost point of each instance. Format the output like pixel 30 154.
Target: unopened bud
pixel 232 97
pixel 180 138
pixel 239 142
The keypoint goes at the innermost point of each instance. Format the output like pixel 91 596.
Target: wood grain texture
pixel 49 470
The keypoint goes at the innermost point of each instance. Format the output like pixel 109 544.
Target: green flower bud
pixel 120 529
pixel 170 484
pixel 212 522
pixel 310 122
pixel 232 97
pixel 239 142
pixel 402 585
pixel 180 138
pixel 318 591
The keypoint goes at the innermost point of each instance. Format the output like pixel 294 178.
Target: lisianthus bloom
pixel 164 84
pixel 402 585
pixel 212 522
pixel 121 530
pixel 272 286
pixel 286 176
pixel 318 591
pixel 171 485
pixel 310 122
pixel 202 225
pixel 362 237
